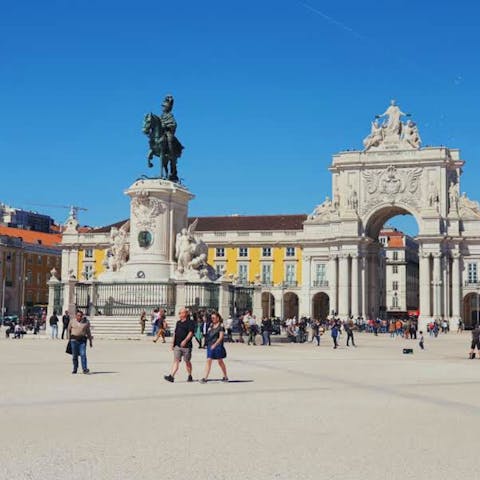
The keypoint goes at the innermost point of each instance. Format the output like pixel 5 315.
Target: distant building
pixel 401 277
pixel 27 220
pixel 26 259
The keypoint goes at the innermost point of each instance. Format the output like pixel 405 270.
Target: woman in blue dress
pixel 215 348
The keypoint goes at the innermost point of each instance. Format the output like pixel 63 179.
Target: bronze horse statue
pixel 163 144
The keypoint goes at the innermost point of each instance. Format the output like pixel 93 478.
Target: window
pixel 89 253
pixel 290 252
pixel 39 260
pixel 30 258
pixel 290 273
pixel 88 272
pixel 220 252
pixel 266 274
pixel 472 273
pixel 219 269
pixel 395 255
pixel 395 269
pixel 29 277
pixel 320 273
pixel 39 278
pixel 394 285
pixel 394 301
pixel 243 252
pixel 266 252
pixel 243 273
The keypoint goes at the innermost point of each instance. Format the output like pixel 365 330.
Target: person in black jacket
pixel 65 321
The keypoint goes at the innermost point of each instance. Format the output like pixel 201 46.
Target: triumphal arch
pixel 393 175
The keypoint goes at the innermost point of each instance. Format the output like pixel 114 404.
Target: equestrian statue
pixel 162 140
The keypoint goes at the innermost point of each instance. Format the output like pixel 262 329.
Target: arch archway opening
pixel 290 305
pixel 268 305
pixel 471 310
pixel 320 306
pixel 393 264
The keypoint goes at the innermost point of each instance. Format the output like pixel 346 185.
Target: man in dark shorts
pixel 475 342
pixel 182 345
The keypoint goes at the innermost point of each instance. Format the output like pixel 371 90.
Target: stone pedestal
pixel 158 212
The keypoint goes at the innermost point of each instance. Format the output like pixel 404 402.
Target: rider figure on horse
pixel 163 143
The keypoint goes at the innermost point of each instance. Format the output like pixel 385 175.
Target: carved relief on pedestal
pixel 145 209
pixel 390 186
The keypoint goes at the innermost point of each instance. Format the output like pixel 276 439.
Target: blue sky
pixel 265 93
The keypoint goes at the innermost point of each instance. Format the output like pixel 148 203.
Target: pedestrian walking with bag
pixel 215 347
pixel 78 333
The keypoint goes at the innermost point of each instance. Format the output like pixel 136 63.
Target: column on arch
pixel 456 288
pixel 355 286
pixel 373 284
pixel 333 282
pixel 364 290
pixel 343 286
pixel 425 285
pixel 305 307
pixel 437 285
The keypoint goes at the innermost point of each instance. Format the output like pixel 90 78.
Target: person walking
pixel 54 325
pixel 229 328
pixel 334 332
pixel 78 333
pixel 215 348
pixel 475 342
pixel 143 321
pixel 182 345
pixel 65 322
pixel 349 329
pixel 267 328
pixel 252 327
pixel 316 331
pixel 154 322
pixel 162 325
pixel 421 343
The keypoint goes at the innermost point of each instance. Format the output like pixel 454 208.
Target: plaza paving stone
pixel 289 412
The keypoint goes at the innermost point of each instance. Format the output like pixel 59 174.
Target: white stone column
pixel 372 285
pixel 343 286
pixel 180 295
pixel 355 298
pixel 332 283
pixel 425 289
pixel 305 306
pixel 257 302
pixel 436 283
pixel 456 290
pixel 223 299
pixel 364 280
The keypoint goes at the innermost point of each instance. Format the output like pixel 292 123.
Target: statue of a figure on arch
pixel 162 140
pixel 393 125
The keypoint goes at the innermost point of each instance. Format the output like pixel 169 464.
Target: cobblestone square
pixel 289 412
